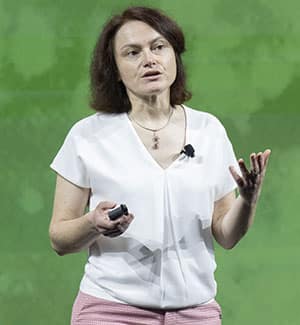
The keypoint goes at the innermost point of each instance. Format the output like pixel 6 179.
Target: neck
pixel 150 109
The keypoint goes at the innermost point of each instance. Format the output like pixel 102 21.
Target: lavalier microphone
pixel 188 150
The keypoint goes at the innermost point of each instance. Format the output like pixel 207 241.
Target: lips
pixel 152 73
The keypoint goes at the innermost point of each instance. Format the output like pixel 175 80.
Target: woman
pixel 155 265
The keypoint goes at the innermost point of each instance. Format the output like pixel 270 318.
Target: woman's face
pixel 145 59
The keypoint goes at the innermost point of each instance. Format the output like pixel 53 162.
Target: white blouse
pixel 165 259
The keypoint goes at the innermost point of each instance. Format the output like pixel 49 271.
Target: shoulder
pixel 89 126
pixel 203 119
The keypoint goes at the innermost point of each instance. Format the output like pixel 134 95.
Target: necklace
pixel 155 137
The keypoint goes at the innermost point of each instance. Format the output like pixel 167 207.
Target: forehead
pixel 135 32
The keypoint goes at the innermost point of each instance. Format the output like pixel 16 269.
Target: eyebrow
pixel 138 45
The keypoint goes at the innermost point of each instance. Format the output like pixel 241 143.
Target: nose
pixel 148 58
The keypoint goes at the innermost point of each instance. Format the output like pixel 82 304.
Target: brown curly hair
pixel 107 93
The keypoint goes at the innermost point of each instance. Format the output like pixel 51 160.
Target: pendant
pixel 155 140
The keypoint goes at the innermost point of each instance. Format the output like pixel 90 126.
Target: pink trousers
pixel 89 310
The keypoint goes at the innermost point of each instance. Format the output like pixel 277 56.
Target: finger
pixel 105 222
pixel 124 219
pixel 115 235
pixel 114 232
pixel 112 235
pixel 128 219
pixel 111 224
pixel 120 220
pixel 254 163
pixel 260 161
pixel 122 227
pixel 239 180
pixel 266 156
pixel 124 224
pixel 243 169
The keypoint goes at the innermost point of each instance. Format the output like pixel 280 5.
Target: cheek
pixel 173 68
pixel 126 72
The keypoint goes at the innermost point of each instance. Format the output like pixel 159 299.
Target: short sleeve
pixel 225 181
pixel 68 162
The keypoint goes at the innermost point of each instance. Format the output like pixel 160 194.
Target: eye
pixel 158 47
pixel 132 53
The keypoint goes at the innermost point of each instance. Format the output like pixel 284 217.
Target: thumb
pixel 104 205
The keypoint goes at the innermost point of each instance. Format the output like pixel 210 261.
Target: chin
pixel 151 91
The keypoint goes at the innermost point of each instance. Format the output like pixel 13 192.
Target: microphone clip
pixel 188 150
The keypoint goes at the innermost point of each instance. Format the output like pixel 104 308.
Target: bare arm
pixel 70 229
pixel 232 216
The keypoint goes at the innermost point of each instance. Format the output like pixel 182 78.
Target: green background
pixel 243 66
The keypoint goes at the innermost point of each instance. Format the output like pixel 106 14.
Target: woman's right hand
pixel 100 220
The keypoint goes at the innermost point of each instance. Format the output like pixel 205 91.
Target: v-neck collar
pixel 146 151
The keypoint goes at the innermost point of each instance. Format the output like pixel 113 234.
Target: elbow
pixel 59 251
pixel 226 243
pixel 231 241
pixel 229 246
pixel 54 243
pixel 60 248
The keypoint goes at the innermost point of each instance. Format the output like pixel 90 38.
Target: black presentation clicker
pixel 118 212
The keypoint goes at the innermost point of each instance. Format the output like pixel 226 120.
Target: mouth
pixel 151 74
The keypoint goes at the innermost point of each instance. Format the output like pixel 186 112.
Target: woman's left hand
pixel 250 183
